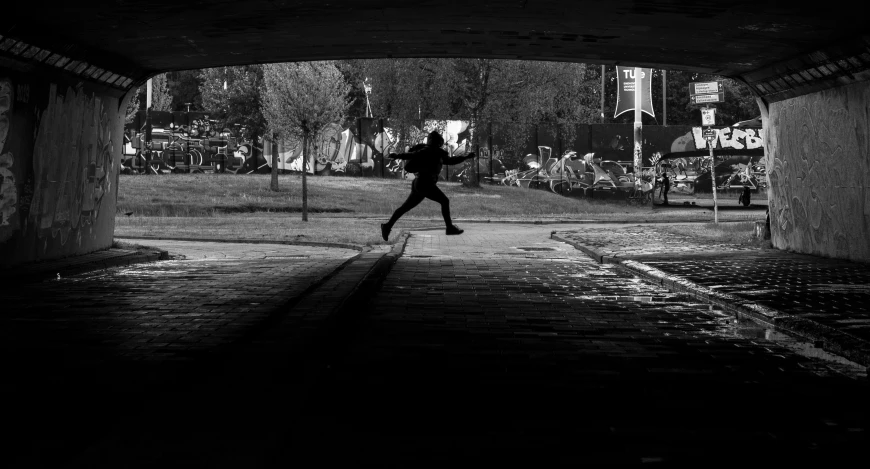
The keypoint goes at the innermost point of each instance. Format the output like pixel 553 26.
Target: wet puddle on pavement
pixel 637 299
pixel 724 324
pixel 747 329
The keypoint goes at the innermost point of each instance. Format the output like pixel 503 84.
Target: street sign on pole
pixel 707 98
pixel 706 87
pixel 706 92
pixel 709 134
pixel 708 116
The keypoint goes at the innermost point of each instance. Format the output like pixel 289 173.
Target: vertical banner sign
pixel 625 90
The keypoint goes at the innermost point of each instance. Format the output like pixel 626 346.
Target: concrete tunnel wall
pixel 60 141
pixel 819 167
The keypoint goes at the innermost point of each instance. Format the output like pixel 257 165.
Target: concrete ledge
pixel 827 338
pixel 356 247
pixel 335 329
pixel 98 260
pixel 561 221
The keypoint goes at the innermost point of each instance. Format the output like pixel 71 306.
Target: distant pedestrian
pixel 425 162
pixel 745 196
pixel 666 186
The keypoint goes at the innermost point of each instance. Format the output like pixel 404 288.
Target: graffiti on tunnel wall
pixel 819 167
pixel 340 151
pixel 58 167
pixel 73 163
pixel 8 191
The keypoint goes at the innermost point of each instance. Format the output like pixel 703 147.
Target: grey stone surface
pixel 501 346
pixel 818 159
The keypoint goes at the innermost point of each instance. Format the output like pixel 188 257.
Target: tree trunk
pixel 251 163
pixel 274 186
pixel 305 177
pixel 471 180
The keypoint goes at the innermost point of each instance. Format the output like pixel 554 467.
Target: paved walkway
pixel 86 349
pixel 504 347
pixel 829 295
pixel 500 346
pixel 644 241
pixel 107 258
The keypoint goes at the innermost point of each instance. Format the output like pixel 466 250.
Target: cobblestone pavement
pixel 642 241
pixel 830 292
pixel 833 293
pixel 501 346
pixel 78 349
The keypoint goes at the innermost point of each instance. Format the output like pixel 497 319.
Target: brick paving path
pixel 500 346
pixel 642 241
pixel 74 265
pixel 833 293
pixel 504 347
pixel 77 347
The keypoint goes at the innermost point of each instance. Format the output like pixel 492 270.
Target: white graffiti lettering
pixel 731 137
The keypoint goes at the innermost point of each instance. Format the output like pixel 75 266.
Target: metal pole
pixel 664 97
pixel 638 126
pixel 148 142
pixel 602 94
pixel 383 165
pixel 489 147
pixel 477 165
pixel 713 178
pixel 305 176
pixel 274 149
pixel 360 138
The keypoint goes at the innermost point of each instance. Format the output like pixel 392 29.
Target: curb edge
pixel 832 340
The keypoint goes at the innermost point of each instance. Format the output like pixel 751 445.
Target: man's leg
pixel 434 193
pixel 413 200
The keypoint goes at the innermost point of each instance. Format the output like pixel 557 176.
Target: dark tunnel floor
pixel 486 348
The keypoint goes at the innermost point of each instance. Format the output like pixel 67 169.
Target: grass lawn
pixel 342 209
pixel 197 195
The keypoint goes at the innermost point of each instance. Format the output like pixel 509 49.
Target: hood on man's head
pixel 434 139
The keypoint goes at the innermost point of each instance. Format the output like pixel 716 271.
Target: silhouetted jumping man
pixel 425 162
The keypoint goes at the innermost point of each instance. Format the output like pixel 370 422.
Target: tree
pixel 184 86
pixel 409 91
pixel 240 102
pixel 299 99
pixel 132 108
pixel 562 95
pixel 161 99
pixel 513 95
pixel 355 76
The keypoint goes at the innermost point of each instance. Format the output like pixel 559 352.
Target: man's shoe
pixel 385 231
pixel 454 230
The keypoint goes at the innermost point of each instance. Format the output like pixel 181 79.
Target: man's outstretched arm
pixel 407 156
pixel 457 159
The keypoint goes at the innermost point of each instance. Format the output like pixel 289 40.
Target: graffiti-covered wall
pixel 58 166
pixel 358 151
pixel 819 167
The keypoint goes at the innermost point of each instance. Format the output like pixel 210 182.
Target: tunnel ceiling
pixel 770 43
